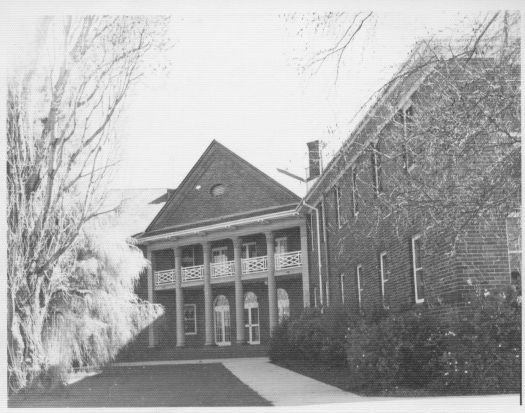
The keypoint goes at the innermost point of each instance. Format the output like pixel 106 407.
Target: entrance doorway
pixel 222 321
pixel 251 316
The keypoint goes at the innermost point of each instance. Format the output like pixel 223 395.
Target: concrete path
pixel 283 387
pixel 280 386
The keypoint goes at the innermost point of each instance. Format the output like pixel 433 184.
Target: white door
pixel 222 321
pixel 249 250
pixel 251 317
pixel 219 254
pixel 281 245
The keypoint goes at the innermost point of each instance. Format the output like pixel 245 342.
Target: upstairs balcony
pixel 226 269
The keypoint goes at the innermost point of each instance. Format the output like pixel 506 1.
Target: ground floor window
pixel 358 271
pixel 251 317
pixel 222 321
pixel 283 304
pixel 417 268
pixel 190 319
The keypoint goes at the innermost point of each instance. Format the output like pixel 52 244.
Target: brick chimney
pixel 314 156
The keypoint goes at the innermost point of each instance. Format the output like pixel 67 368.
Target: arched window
pixel 283 304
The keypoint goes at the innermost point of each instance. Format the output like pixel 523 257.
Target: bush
pixel 472 350
pixel 481 352
pixel 314 337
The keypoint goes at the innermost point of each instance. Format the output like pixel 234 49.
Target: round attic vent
pixel 217 190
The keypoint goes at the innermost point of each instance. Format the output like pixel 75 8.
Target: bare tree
pixel 60 113
pixel 440 149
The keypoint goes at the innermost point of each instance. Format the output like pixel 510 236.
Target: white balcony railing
pixel 164 277
pixel 288 260
pixel 256 264
pixel 227 268
pixel 192 273
pixel 222 269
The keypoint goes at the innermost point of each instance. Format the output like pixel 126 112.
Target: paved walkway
pixel 280 386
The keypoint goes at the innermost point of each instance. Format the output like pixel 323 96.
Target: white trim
pixel 315 296
pixel 415 269
pixel 323 218
pixel 194 320
pixel 222 225
pixel 312 231
pixel 327 291
pixel 382 270
pixel 359 290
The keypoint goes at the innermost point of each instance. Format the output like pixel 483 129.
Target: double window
pixel 417 268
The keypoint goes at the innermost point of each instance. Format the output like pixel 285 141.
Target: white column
pixel 304 261
pixel 272 290
pixel 208 305
pixel 151 296
pixel 179 299
pixel 239 296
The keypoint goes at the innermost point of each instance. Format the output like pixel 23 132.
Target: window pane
pixel 255 316
pixel 255 334
pixel 385 267
pixel 420 289
pixel 417 253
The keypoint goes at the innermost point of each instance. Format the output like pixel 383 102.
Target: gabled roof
pixel 247 192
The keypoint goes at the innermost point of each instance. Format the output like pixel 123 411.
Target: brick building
pixel 228 255
pixel 368 268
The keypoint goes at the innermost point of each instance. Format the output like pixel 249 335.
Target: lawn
pixel 341 378
pixel 150 386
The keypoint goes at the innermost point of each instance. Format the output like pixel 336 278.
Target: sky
pixel 233 75
pixel 235 78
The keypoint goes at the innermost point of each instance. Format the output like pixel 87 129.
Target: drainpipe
pixel 318 251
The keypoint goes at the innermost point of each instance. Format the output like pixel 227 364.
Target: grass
pixel 341 378
pixel 150 386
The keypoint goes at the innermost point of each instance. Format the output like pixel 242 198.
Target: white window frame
pixel 342 285
pixel 194 332
pixel 276 243
pixel 382 269
pixel 359 289
pixel 338 206
pixel 245 248
pixel 415 269
pixel 355 209
pixel 220 249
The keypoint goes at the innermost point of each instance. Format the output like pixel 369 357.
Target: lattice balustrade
pixel 192 273
pixel 288 260
pixel 256 264
pixel 164 277
pixel 222 269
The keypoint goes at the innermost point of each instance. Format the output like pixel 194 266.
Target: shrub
pixel 481 352
pixel 314 336
pixel 475 349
